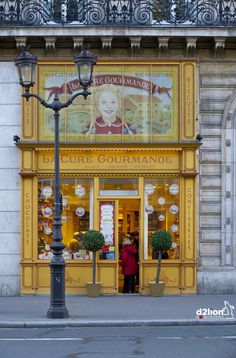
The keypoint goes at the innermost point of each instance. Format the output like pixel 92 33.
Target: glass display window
pixel 118 187
pixel 76 216
pixel 161 211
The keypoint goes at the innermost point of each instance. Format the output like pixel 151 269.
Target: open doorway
pixel 128 226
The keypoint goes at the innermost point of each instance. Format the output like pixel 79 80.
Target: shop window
pixel 118 187
pixel 76 217
pixel 161 212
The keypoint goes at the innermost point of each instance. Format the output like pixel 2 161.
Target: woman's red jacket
pixel 128 260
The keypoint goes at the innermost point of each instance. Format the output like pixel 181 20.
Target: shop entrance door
pixel 128 226
pixel 118 218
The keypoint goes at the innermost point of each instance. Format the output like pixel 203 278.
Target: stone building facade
pixel 213 47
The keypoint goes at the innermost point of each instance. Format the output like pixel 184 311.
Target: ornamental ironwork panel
pixel 118 12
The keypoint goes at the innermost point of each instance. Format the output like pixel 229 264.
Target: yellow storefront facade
pixel 133 178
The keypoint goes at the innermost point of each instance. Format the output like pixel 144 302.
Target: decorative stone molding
pixel 20 42
pixel 163 44
pixel 191 45
pixel 219 46
pixel 50 45
pixel 135 45
pixel 106 45
pixel 78 42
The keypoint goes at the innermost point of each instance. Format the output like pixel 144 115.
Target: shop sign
pixel 107 222
pixel 151 162
pixel 27 218
pixel 189 227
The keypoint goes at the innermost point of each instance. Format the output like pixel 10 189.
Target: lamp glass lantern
pixel 26 66
pixel 85 62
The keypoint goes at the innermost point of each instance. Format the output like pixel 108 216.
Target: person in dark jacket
pixel 129 265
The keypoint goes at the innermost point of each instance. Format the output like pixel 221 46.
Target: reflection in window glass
pixel 75 217
pixel 118 187
pixel 162 212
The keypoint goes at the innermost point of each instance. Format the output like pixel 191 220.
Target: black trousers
pixel 129 284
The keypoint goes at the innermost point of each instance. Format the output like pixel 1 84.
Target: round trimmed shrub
pixel 93 240
pixel 161 240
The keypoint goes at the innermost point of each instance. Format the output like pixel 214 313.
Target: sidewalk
pixel 119 310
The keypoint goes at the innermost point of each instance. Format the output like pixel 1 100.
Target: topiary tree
pixel 161 241
pixel 93 241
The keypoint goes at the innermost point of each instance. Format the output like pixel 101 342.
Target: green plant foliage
pixel 161 240
pixel 93 240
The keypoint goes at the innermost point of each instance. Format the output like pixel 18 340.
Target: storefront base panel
pixel 179 278
pixel 107 275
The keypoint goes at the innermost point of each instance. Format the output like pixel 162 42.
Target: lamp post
pixel 26 65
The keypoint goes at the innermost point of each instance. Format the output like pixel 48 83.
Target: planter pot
pixel 157 289
pixel 94 289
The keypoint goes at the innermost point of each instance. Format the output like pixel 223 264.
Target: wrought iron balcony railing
pixel 120 12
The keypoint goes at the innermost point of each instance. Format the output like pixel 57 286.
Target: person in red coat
pixel 129 265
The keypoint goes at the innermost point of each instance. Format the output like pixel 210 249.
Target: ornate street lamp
pixel 26 65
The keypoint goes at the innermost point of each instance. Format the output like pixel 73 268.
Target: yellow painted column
pixel 29 235
pixel 189 237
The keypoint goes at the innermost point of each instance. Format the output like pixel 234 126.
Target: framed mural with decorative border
pixel 129 103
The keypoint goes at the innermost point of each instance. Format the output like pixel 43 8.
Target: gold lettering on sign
pixel 28 123
pixel 27 218
pixel 189 230
pixel 189 101
pixel 119 161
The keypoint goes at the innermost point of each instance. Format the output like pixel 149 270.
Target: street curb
pixel 114 323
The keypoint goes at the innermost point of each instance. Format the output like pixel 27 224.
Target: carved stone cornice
pixel 135 43
pixel 50 46
pixel 78 42
pixel 191 45
pixel 163 44
pixel 20 41
pixel 106 45
pixel 219 46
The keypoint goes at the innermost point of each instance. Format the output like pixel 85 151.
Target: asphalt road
pixel 120 342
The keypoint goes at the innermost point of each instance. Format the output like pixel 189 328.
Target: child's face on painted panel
pixel 108 105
